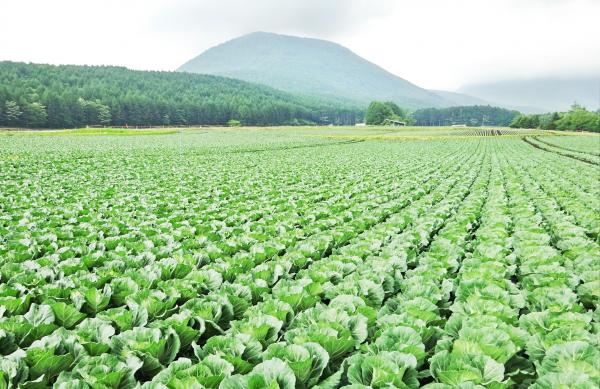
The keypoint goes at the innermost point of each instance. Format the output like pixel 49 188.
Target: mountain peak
pixel 266 35
pixel 308 66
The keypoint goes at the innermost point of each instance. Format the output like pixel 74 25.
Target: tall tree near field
pixel 399 113
pixel 579 118
pixel 103 114
pixel 396 110
pixel 12 112
pixel 549 121
pixel 377 112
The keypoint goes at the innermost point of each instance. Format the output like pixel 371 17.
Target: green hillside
pixel 310 67
pixel 33 95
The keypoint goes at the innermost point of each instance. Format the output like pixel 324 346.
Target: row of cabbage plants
pixel 576 191
pixel 315 315
pixel 581 254
pixel 129 296
pixel 481 339
pixel 408 326
pixel 588 143
pixel 579 152
pixel 454 263
pixel 562 337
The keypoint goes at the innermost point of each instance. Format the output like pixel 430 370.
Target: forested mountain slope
pixel 34 95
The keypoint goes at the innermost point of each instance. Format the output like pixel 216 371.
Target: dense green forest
pixel 577 119
pixel 476 115
pixel 66 96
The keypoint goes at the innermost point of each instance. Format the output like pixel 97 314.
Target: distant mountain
pixel 460 99
pixel 540 95
pixel 310 67
pixel 457 99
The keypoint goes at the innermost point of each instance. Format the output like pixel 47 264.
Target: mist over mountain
pixel 540 94
pixel 310 67
pixel 460 99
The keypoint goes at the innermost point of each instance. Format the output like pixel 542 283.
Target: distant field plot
pixel 588 144
pixel 570 149
pixel 299 258
pixel 415 133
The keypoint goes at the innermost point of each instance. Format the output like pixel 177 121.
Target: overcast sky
pixel 434 43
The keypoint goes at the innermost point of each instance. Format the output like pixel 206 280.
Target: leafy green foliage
pixel 382 112
pixel 578 118
pixel 466 263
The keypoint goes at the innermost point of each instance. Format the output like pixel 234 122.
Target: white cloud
pixel 433 43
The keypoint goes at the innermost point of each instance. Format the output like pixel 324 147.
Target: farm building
pixel 395 123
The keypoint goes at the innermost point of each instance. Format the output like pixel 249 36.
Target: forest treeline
pixel 68 96
pixel 380 112
pixel 578 118
pixel 476 115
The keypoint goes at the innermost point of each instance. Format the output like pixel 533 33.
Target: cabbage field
pixel 300 258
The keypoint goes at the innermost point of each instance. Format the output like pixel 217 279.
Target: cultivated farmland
pixel 299 258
